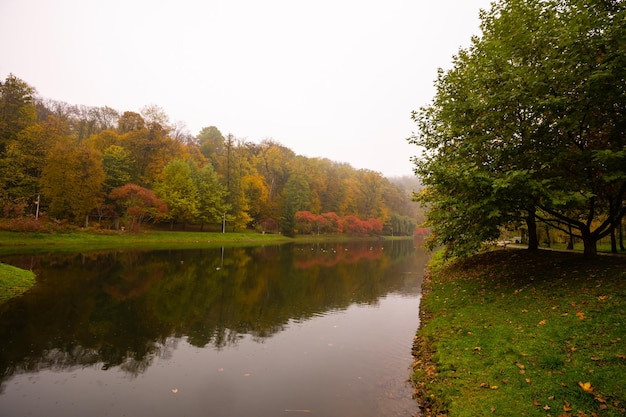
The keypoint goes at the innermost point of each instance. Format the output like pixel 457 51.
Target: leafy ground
pixel 14 281
pixel 513 332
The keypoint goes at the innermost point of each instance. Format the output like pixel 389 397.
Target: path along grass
pixel 512 333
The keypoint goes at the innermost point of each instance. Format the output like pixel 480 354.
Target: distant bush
pixel 30 224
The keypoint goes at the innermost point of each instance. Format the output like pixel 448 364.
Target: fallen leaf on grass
pixel 580 315
pixel 586 386
pixel 567 407
pixel 542 323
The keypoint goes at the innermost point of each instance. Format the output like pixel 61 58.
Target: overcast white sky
pixel 327 78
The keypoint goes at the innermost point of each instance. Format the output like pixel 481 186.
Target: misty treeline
pixel 98 167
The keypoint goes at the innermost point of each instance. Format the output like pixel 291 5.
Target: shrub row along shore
pixel 515 332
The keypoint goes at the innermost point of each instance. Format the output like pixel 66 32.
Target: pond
pixel 318 329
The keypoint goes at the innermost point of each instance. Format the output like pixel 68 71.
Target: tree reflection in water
pixel 126 308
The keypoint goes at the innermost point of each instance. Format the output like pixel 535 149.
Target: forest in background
pixel 75 165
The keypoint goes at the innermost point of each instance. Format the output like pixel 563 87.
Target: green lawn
pixel 12 242
pixel 14 281
pixel 513 332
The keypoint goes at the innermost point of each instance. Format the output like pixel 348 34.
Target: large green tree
pixel 17 109
pixel 119 167
pixel 211 195
pixel 297 197
pixel 17 121
pixel 528 124
pixel 179 192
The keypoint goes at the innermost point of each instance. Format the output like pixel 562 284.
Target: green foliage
pixel 211 194
pixel 17 109
pixel 178 191
pixel 516 333
pixel 18 150
pixel 297 197
pixel 119 167
pixel 529 122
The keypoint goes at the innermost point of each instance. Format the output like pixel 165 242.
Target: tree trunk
pixel 613 241
pixel 621 236
pixel 570 242
pixel 590 243
pixel 548 240
pixel 531 223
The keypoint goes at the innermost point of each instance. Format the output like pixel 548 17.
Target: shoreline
pixel 507 332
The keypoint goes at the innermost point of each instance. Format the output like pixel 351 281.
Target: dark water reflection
pixel 323 329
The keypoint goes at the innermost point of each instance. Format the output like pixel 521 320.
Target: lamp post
pixel 37 211
pixel 224 223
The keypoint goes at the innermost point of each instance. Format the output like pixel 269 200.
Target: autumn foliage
pixel 95 166
pixel 139 204
pixel 309 223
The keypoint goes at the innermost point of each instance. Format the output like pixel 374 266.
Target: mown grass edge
pixel 520 333
pixel 14 281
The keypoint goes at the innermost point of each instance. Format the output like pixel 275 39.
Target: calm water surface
pixel 321 330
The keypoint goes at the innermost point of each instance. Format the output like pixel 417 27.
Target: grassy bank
pixel 16 242
pixel 14 281
pixel 12 242
pixel 519 333
pixel 38 242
